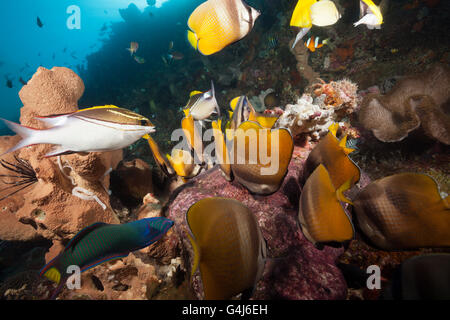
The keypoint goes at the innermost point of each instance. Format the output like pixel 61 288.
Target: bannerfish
pixel 333 154
pixel 242 110
pixel 39 22
pixel 134 46
pixel 139 60
pixel 93 129
pixel 222 157
pixel 312 12
pixel 369 14
pixel 404 211
pixel 229 248
pixel 423 277
pixel 215 24
pixel 183 164
pixel 322 217
pixel 313 43
pixel 202 105
pixel 101 242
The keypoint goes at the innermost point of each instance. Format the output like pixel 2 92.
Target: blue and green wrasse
pixel 102 242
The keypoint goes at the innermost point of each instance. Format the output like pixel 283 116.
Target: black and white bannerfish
pixel 103 128
pixel 202 105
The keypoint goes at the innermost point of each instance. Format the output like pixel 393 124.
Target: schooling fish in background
pixel 229 248
pixel 311 12
pixel 404 211
pixel 202 105
pixel 104 128
pixel 39 22
pixel 170 45
pixel 370 14
pixel 313 43
pixel 134 46
pixel 333 154
pixel 215 24
pixel 139 60
pixel 321 215
pixel 101 242
pixel 9 83
pixel 175 55
pixel 424 277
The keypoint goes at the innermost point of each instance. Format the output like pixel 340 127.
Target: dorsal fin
pixel 234 102
pixel 340 192
pixel 193 93
pixel 334 128
pixel 82 233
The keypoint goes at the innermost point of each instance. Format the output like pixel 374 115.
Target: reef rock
pixel 300 271
pixel 301 55
pixel 420 99
pixel 71 190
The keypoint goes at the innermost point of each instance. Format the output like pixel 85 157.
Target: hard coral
pixel 415 100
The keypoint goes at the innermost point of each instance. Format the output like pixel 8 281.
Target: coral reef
pixel 415 100
pixel 332 102
pixel 317 278
pixel 301 56
pixel 49 206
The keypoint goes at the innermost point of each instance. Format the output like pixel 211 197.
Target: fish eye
pixel 144 122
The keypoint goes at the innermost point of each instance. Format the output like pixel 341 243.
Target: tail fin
pixel 192 38
pixel 28 135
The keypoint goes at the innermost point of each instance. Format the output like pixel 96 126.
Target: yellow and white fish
pixel 215 24
pixel 133 47
pixel 202 105
pixel 103 128
pixel 369 14
pixel 312 12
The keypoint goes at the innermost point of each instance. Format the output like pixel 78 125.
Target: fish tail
pixel 29 135
pixel 51 272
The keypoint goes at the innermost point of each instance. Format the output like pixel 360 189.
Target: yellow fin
pixel 186 112
pixel 53 275
pixel 194 93
pixel 339 192
pixel 301 17
pixel 192 38
pixel 334 128
pixel 266 122
pixel 375 10
pixel 146 136
pixel 196 250
pixel 233 104
pixel 99 107
pixel 230 114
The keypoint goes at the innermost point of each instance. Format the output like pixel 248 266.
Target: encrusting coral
pixel 420 99
pixel 52 205
pixel 312 116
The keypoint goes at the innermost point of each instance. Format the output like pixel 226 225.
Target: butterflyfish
pixel 404 211
pixel 321 215
pixel 260 157
pixel 369 14
pixel 103 128
pixel 133 47
pixel 215 24
pixel 202 105
pixel 242 110
pixel 221 150
pixel 333 154
pixel 159 158
pixel 229 248
pixel 192 134
pixel 183 163
pixel 101 242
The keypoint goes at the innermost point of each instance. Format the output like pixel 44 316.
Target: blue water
pixel 26 46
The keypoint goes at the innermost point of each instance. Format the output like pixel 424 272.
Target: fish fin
pixel 82 233
pixel 193 39
pixel 193 93
pixel 50 271
pixel 28 135
pixel 334 128
pixel 104 259
pixel 57 151
pixel 53 121
pixel 339 192
pixel 214 97
pixel 186 112
pixel 233 104
pixel 300 35
pixel 197 253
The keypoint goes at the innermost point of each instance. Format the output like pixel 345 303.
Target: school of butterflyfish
pixel 401 211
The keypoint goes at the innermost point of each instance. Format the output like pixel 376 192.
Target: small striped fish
pixel 102 242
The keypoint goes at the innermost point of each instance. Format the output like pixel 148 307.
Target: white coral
pixel 307 117
pixel 258 101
